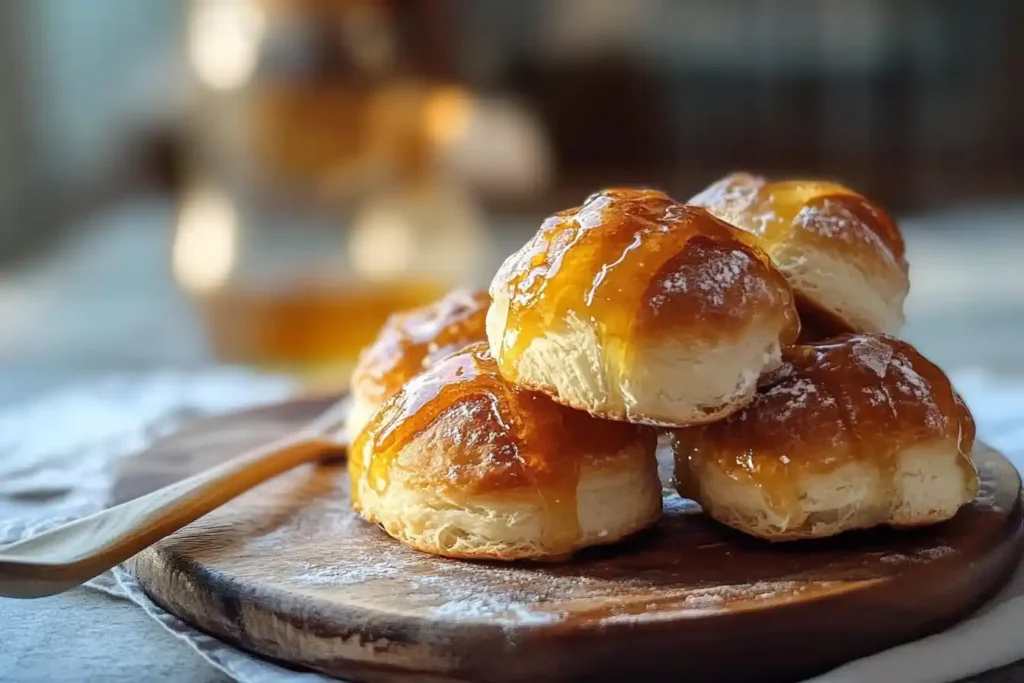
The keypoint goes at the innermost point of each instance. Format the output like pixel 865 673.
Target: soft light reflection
pixel 383 238
pixel 446 114
pixel 206 243
pixel 224 41
pixel 369 36
pixel 501 148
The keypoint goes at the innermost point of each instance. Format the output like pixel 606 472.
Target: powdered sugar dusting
pixel 797 394
pixel 721 278
pixel 726 272
pixel 898 380
pixel 834 220
pixel 674 284
pixel 911 383
pixel 873 354
pixel 916 555
pixel 723 274
pixel 488 608
pixel 876 396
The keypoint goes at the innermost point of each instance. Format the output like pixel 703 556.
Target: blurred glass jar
pixel 327 190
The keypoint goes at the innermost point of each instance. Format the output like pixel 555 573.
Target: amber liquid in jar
pixel 325 141
pixel 306 326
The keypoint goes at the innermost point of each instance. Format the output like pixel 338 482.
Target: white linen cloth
pixel 58 458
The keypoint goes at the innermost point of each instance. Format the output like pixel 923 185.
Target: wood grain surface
pixel 287 571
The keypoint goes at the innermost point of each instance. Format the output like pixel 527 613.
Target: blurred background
pixel 260 182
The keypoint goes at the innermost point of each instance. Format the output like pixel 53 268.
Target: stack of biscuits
pixel 752 325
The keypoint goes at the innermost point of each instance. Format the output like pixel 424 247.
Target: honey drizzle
pixel 413 340
pixel 602 264
pixel 499 440
pixel 854 399
pixel 553 283
pixel 783 202
pixel 773 210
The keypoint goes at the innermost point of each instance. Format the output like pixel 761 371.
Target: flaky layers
pixel 409 342
pixel 852 433
pixel 635 307
pixel 843 255
pixel 463 464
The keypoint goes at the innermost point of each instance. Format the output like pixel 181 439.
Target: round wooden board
pixel 289 572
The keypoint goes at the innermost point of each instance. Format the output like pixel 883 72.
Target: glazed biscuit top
pixel 821 214
pixel 638 266
pixel 412 340
pixel 853 399
pixel 461 428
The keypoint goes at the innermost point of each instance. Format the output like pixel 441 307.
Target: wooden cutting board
pixel 289 572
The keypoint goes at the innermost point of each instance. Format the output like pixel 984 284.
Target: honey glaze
pixel 853 399
pixel 462 430
pixel 412 340
pixel 636 263
pixel 820 211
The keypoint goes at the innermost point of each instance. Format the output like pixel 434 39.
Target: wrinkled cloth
pixel 58 459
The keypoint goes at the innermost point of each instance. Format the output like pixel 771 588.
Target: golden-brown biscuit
pixel 843 255
pixel 635 307
pixel 462 463
pixel 850 433
pixel 407 343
